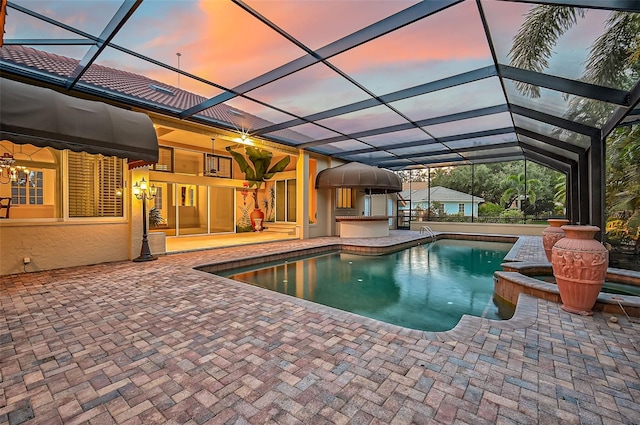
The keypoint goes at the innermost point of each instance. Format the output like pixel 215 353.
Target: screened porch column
pixel 303 186
pixel 597 184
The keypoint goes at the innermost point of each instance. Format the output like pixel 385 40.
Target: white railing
pixel 428 231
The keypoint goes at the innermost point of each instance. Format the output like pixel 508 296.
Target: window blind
pixel 94 182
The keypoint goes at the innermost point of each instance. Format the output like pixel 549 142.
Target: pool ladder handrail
pixel 429 232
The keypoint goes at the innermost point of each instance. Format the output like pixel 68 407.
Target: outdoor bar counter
pixel 358 226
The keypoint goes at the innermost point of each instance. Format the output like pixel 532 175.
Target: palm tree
pixel 613 61
pixel 614 58
pixel 623 181
pixel 516 187
pixel 560 194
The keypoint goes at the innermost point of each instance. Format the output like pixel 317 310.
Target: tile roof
pixel 122 85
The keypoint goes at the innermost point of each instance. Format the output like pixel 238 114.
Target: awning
pixel 361 176
pixel 45 118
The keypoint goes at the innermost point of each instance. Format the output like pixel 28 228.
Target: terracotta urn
pixel 257 217
pixel 579 265
pixel 552 234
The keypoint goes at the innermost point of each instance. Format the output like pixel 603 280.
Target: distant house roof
pixel 438 194
pixel 128 85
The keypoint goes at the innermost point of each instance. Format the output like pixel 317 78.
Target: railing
pixel 428 231
pixel 407 216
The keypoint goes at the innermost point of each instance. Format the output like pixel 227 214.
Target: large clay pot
pixel 552 234
pixel 579 266
pixel 257 217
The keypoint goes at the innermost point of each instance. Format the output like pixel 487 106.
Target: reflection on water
pixel 427 287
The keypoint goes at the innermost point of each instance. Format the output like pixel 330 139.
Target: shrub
pixel 511 215
pixel 489 209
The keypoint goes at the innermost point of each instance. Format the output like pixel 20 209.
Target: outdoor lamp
pixel 144 194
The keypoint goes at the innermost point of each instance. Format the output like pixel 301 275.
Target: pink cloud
pixel 318 23
pixel 430 39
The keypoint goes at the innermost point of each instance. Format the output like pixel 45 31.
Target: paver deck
pixel 162 343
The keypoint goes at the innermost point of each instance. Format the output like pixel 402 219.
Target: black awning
pixel 362 176
pixel 45 118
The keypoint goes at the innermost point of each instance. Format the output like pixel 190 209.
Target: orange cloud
pixel 232 47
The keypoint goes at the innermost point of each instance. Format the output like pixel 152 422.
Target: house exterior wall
pixel 451 208
pixel 325 200
pixel 55 245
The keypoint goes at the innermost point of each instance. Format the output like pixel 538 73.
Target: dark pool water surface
pixel 427 287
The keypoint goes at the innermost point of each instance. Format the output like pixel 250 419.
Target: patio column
pixel 584 202
pixel 572 194
pixel 597 183
pixel 302 199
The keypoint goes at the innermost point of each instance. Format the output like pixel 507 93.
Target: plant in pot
pixel 155 217
pixel 257 171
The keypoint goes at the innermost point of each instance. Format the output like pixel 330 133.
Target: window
pixel 36 193
pixel 285 200
pixel 217 166
pixel 165 160
pixel 188 162
pixel 158 201
pixel 461 209
pixel 344 197
pixel 95 182
pixel 28 189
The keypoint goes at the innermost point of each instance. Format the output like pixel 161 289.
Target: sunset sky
pixel 220 42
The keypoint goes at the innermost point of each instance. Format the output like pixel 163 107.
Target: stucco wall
pixel 56 245
pixel 489 228
pixel 325 215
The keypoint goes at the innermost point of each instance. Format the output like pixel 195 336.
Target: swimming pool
pixel 426 287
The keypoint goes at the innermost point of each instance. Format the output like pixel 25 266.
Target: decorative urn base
pixel 579 265
pixel 552 234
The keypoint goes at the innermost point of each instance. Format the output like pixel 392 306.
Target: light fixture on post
pixel 144 194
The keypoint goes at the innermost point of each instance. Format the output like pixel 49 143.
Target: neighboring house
pixel 443 200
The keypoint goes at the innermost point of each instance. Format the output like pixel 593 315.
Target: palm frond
pixel 533 44
pixel 615 47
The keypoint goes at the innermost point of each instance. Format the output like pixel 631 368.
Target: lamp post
pixel 144 194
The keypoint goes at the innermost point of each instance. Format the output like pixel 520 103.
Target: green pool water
pixel 427 287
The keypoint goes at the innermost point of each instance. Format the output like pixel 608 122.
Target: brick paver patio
pixel 161 343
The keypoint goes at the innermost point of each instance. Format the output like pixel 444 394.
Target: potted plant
pixel 256 174
pixel 155 217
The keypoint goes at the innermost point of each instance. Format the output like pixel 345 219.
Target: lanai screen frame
pixel 583 164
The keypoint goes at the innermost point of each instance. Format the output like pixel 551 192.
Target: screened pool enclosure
pixel 399 85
